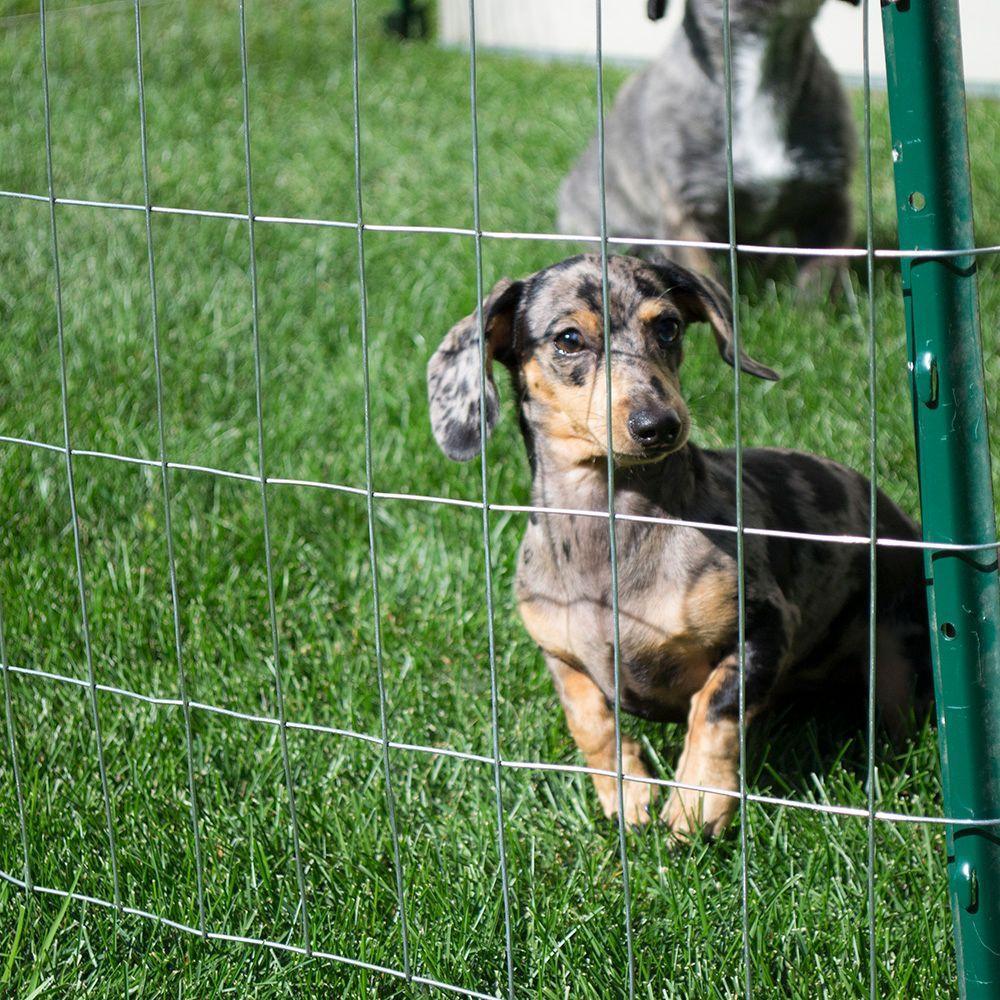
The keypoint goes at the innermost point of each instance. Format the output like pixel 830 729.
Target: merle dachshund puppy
pixel 806 602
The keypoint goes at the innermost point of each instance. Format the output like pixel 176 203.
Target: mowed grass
pixel 807 871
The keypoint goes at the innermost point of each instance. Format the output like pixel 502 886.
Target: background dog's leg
pixel 710 757
pixel 827 225
pixel 680 227
pixel 592 725
pixel 895 679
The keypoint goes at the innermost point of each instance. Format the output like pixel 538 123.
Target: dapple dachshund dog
pixel 665 140
pixel 806 602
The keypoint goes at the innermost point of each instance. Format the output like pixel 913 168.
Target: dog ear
pixel 655 9
pixel 703 299
pixel 454 376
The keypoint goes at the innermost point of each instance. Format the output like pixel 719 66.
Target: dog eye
pixel 667 332
pixel 569 342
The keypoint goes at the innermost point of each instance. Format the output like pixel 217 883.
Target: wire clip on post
pixel 934 209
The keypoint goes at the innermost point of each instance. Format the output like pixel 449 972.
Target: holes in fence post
pixel 917 201
pixel 948 630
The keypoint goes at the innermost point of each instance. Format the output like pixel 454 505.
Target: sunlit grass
pixel 807 871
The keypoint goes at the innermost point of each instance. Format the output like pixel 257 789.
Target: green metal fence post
pixel 934 208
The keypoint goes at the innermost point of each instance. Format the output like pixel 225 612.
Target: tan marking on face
pixel 537 383
pixel 588 322
pixel 651 310
pixel 576 416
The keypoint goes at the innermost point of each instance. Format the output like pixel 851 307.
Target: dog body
pixel 806 602
pixel 665 139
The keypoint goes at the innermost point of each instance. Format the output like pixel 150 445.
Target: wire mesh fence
pixel 375 494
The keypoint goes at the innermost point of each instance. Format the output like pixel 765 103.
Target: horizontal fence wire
pixel 513 764
pixel 882 253
pixel 513 508
pixel 382 743
pixel 280 946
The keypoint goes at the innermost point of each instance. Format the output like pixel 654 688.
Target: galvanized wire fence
pixel 870 814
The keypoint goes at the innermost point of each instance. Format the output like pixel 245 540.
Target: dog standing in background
pixel 665 149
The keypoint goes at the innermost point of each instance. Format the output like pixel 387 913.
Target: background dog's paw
pixel 821 280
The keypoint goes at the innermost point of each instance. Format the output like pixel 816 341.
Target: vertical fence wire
pixel 370 494
pixel 165 480
pixel 872 497
pixel 487 548
pixel 727 60
pixel 12 744
pixel 612 541
pixel 259 394
pixel 70 481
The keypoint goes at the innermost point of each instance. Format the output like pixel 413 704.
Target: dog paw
pixel 636 795
pixel 689 814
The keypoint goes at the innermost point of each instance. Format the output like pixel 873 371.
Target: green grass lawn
pixel 807 871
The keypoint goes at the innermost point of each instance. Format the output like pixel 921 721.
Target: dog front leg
pixel 681 227
pixel 827 227
pixel 592 725
pixel 710 758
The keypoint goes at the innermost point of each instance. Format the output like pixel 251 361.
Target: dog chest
pixel 671 631
pixel 762 161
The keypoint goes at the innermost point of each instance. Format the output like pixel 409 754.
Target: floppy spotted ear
pixel 702 299
pixel 655 9
pixel 453 373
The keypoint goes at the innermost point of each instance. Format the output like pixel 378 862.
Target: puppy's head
pixel 548 330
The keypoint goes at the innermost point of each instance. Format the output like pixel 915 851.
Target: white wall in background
pixel 566 27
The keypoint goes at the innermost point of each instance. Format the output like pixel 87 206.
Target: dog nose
pixel 654 427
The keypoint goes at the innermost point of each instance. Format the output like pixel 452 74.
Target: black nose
pixel 654 427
